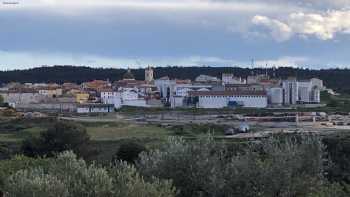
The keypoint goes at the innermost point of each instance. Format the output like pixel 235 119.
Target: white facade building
pixel 51 92
pixel 318 83
pixel 95 108
pixel 184 89
pixel 177 101
pixel 112 97
pixel 165 87
pixel 14 98
pixel 181 91
pixel 106 95
pixel 275 96
pixel 306 91
pixel 315 95
pixel 290 92
pixel 123 98
pixel 222 99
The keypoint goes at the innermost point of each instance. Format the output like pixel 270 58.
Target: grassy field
pixel 105 136
pixel 15 130
pixel 118 131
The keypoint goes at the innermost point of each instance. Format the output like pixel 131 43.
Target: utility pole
pixel 252 67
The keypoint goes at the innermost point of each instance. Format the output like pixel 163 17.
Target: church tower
pixel 149 74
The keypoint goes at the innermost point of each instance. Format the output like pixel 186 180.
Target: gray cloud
pixel 323 26
pixel 187 32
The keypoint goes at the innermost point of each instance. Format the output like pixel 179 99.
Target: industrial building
pixel 301 92
pixel 222 99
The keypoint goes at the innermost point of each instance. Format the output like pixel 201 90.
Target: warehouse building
pixel 222 99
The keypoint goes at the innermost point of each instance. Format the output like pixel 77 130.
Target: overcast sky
pixel 136 33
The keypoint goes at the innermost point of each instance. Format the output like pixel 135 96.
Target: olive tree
pixel 60 137
pixel 68 176
pixel 279 167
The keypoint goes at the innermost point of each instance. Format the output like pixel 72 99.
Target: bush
pixel 338 147
pixel 60 137
pixel 10 167
pixel 293 166
pixel 129 152
pixel 195 168
pixel 66 175
pixel 128 182
pixel 5 151
pixel 81 179
pixel 34 183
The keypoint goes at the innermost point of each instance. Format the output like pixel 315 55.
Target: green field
pixel 15 131
pixel 118 131
pixel 105 136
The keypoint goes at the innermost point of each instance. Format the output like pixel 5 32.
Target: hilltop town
pixel 207 92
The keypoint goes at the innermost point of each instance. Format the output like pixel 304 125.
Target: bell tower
pixel 149 74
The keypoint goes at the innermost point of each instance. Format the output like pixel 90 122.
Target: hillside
pixel 337 79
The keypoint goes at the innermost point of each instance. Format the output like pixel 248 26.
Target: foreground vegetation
pixel 66 175
pixel 275 167
pixel 170 164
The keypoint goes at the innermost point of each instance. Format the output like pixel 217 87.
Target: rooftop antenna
pixel 252 65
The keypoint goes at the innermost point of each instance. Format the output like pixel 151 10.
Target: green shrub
pixel 60 137
pixel 195 168
pixel 293 166
pixel 128 182
pixel 66 175
pixel 10 167
pixel 81 179
pixel 129 151
pixel 34 183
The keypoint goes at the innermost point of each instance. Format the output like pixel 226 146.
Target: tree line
pixel 336 79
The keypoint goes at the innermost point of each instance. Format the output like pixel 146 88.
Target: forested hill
pixel 338 79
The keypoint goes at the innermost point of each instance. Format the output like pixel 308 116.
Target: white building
pixel 317 83
pixel 222 99
pixel 290 92
pixel 165 87
pixel 111 97
pixel 184 89
pixel 123 98
pixel 177 101
pixel 275 96
pixel 25 97
pixel 181 91
pixel 51 92
pixel 95 108
pixel 305 91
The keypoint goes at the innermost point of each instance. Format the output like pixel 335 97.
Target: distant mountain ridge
pixel 337 79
